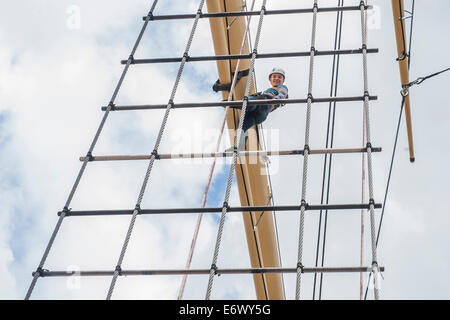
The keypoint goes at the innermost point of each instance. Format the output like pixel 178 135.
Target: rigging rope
pixel 211 171
pixel 305 156
pixel 154 154
pixel 333 90
pixel 404 93
pixel 235 154
pixel 387 184
pixel 247 198
pixel 89 154
pixel 410 34
pixel 271 198
pixel 363 200
pixel 375 268
pixel 404 54
pixel 420 80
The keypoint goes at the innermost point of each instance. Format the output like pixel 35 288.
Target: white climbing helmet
pixel 277 70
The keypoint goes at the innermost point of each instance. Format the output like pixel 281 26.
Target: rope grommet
pixel 137 207
pixel 65 210
pixel 225 204
pixel 303 203
pixel 403 56
pixel 112 106
pixel 306 148
pixel 40 272
pixel 155 154
pixel 89 156
pixel 119 270
pixel 214 267
pixel 405 91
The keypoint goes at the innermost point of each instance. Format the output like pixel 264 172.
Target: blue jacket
pixel 278 92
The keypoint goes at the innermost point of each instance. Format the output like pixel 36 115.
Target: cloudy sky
pixel 60 62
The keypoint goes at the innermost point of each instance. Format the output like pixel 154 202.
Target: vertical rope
pixel 306 153
pixel 369 150
pixel 89 153
pixel 136 211
pixel 213 165
pixel 235 154
pixel 396 137
pixel 363 200
pixel 329 143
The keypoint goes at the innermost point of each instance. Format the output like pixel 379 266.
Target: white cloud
pixel 53 83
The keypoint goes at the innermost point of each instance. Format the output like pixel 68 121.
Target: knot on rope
pixel 112 106
pixel 118 270
pixel 40 272
pixel 214 267
pixel 137 207
pixel 155 154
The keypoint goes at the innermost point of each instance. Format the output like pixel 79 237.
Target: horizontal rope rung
pixel 308 207
pixel 249 56
pixel 46 273
pixel 227 154
pixel 253 13
pixel 237 103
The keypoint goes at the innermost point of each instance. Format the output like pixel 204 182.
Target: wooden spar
pixel 253 187
pixel 400 37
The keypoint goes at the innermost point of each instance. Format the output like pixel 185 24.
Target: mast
pixel 253 186
pixel 403 58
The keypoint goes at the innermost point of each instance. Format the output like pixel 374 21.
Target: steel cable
pixel 305 157
pixel 330 127
pixel 91 148
pixel 154 153
pixel 369 151
pixel 235 154
pixel 397 132
pixel 211 171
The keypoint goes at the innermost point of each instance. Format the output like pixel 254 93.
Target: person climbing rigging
pixel 256 114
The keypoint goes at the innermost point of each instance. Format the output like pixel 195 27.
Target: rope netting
pixel 237 152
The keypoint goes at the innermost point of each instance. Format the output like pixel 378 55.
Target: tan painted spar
pixel 400 37
pixel 253 186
